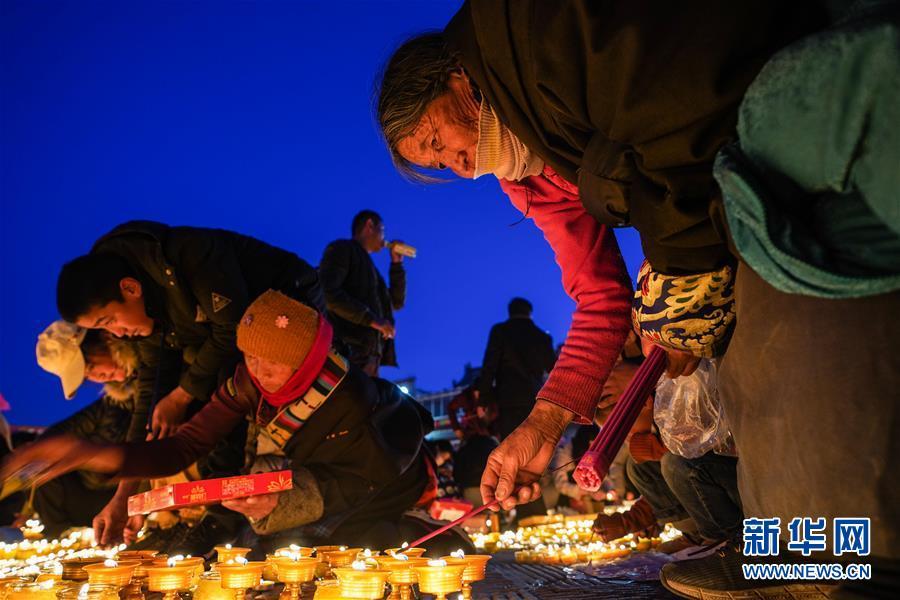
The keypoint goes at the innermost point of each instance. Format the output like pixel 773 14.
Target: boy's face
pixel 127 318
pixel 271 375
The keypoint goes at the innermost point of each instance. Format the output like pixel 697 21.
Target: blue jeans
pixel 707 489
pixel 648 479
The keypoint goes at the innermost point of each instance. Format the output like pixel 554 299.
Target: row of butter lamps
pixel 360 574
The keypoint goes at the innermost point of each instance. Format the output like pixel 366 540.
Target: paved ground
pixel 507 580
pixel 510 581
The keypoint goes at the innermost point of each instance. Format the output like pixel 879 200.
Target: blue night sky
pixel 251 116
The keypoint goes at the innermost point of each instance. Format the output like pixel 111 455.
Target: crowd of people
pixel 749 144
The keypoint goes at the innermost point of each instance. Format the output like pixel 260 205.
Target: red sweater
pixel 593 275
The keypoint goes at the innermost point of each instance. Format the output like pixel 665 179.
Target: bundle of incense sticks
pixel 594 464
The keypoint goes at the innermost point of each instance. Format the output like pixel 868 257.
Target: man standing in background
pixel 360 304
pixel 517 357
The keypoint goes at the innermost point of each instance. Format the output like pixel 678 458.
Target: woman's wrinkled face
pixel 101 368
pixel 447 134
pixel 271 375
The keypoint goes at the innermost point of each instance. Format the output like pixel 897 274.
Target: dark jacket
pixel 518 355
pixel 630 101
pixel 359 450
pixel 356 294
pixel 197 283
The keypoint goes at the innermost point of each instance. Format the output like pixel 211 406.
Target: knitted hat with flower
pixel 278 328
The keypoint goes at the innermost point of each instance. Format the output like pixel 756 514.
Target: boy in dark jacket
pixel 180 291
pixel 353 443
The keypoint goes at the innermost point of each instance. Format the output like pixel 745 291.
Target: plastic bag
pixel 689 416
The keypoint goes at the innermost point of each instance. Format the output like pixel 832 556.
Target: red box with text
pixel 208 491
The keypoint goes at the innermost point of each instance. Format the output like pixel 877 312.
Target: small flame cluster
pixel 566 541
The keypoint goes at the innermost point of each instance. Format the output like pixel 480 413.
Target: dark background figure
pixel 518 356
pixel 360 304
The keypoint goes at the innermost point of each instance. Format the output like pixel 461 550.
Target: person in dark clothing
pixel 360 305
pixel 517 358
pixel 353 443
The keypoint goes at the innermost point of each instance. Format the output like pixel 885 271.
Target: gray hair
pixel 416 74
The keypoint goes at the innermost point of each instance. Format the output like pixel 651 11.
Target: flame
pixel 358 565
pixel 458 554
pixel 110 563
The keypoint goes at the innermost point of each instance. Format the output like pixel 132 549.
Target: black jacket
pixel 630 100
pixel 197 283
pixel 518 355
pixel 356 294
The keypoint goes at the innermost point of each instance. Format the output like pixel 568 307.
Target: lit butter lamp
pixel 293 571
pixel 271 570
pixel 195 562
pixel 475 566
pixel 240 575
pixel 111 572
pixel 228 552
pixel 403 576
pixel 405 549
pixel 440 578
pixel 171 578
pixel 360 582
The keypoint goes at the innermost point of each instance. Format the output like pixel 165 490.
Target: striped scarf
pixel 274 436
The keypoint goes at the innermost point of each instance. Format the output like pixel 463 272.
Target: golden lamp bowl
pixel 288 570
pixel 119 576
pixel 402 572
pixel 73 568
pixel 236 576
pixel 195 562
pixel 340 558
pixel 170 579
pixel 475 564
pixel 440 580
pixel 410 552
pixel 367 584
pixel 301 550
pixel 224 553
